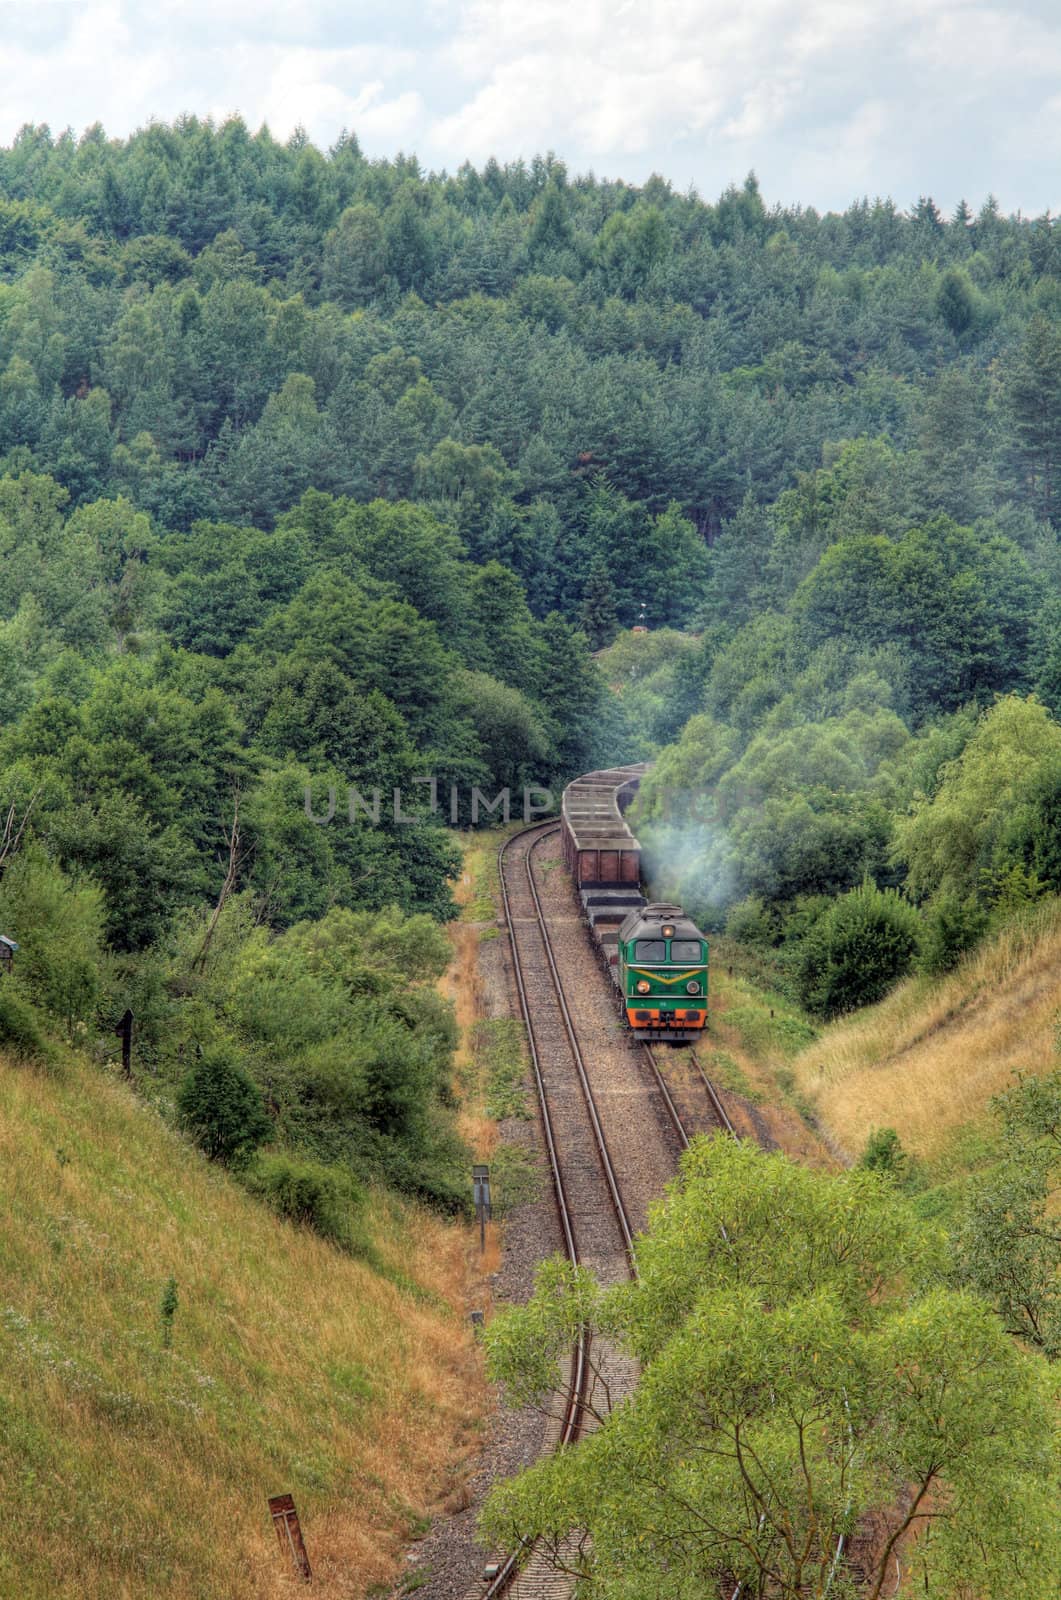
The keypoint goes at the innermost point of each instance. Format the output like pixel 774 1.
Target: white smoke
pixel 689 863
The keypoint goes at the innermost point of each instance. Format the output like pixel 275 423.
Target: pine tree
pixel 550 228
pixel 954 302
pixel 1035 399
pixel 597 613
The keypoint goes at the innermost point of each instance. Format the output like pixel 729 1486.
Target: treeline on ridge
pixel 322 470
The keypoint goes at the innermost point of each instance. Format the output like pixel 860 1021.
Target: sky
pixel 827 100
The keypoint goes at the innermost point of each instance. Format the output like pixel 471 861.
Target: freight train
pixel 656 956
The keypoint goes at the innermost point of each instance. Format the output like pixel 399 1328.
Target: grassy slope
pixel 130 1470
pixel 929 1057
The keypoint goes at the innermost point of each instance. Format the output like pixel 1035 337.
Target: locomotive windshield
pixel 685 950
pixel 650 950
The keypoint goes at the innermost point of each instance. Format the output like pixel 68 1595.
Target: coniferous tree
pixel 597 614
pixel 1035 399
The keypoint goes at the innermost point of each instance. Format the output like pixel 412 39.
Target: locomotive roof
pixel 646 922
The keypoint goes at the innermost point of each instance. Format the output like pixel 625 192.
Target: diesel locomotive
pixel 656 956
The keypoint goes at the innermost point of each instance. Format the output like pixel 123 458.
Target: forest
pixel 319 472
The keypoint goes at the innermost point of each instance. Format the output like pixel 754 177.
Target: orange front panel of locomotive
pixel 640 1017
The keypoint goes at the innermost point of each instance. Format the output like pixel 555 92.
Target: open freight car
pixel 656 957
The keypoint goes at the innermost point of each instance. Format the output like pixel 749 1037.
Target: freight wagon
pixel 656 956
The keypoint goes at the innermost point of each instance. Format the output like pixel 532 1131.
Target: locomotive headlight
pixel 644 986
pixel 667 932
pixel 692 988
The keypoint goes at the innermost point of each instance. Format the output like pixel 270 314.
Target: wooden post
pixel 125 1032
pixel 285 1521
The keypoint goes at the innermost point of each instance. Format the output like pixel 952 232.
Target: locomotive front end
pixel 663 960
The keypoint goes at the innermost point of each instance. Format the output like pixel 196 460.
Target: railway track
pixel 692 1101
pixel 593 1219
pixel 588 1076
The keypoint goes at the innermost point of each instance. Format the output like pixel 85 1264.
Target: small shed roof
pixel 9 944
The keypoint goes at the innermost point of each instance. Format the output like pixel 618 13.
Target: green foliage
pixel 59 927
pixel 950 927
pixel 22 1033
pixel 955 302
pixel 321 472
pixel 222 1107
pixel 958 603
pixel 857 950
pixel 337 1023
pixel 987 810
pixel 884 1153
pixel 516 1179
pixel 498 1058
pixel 749 921
pixel 1035 398
pixel 1008 1246
pixel 799 1355
pixel 597 615
pixel 794 814
pixel 324 1198
pixel 167 1310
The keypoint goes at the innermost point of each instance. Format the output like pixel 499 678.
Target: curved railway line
pixel 589 1076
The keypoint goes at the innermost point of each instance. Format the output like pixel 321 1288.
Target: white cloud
pixel 650 74
pixel 891 95
pixel 826 98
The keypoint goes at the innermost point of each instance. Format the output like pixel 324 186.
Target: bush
pixel 326 1199
pixel 884 1153
pixel 21 1034
pixel 59 925
pixel 749 922
pixel 222 1108
pixel 864 943
pixel 951 926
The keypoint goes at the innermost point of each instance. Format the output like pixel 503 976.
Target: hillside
pixel 132 1469
pixel 929 1057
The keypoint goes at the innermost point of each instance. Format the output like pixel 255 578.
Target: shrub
pixel 324 1198
pixel 167 1310
pixel 222 1108
pixel 751 923
pixel 884 1153
pixel 864 943
pixel 951 926
pixel 21 1034
pixel 59 925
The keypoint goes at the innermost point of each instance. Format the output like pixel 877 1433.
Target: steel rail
pixel 576 1051
pixel 581 1371
pixel 580 1357
pixel 712 1094
pixel 668 1099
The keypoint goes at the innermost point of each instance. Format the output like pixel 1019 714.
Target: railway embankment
pixel 142 1432
pixel 929 1058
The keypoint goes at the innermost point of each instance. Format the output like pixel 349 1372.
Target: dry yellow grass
pixel 134 1471
pixel 928 1059
pixel 474 894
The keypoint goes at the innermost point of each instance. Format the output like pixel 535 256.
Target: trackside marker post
pixel 285 1521
pixel 481 1192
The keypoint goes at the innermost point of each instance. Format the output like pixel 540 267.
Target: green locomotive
pixel 661 971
